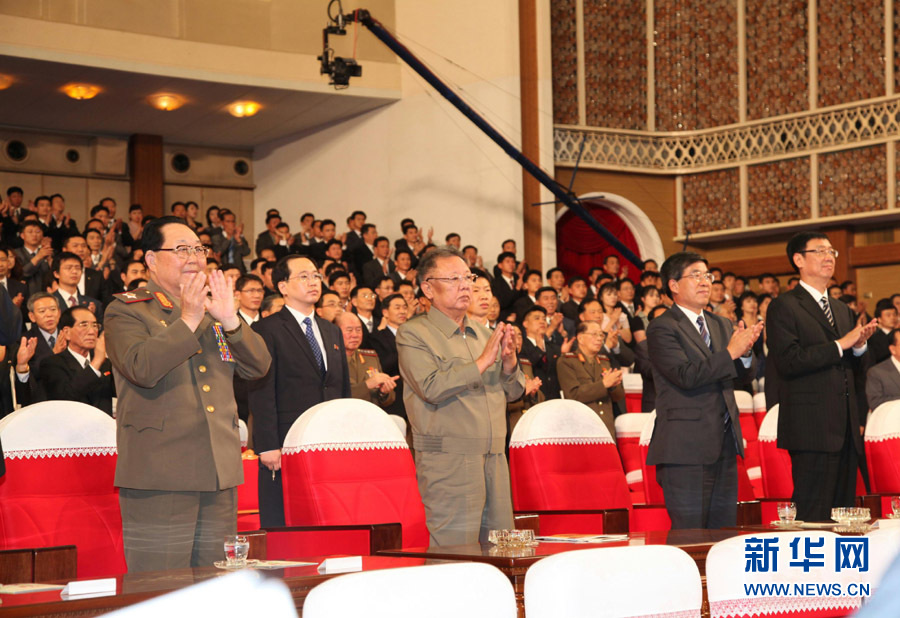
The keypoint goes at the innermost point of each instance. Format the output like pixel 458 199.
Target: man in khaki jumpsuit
pixel 457 379
pixel 589 377
pixel 175 347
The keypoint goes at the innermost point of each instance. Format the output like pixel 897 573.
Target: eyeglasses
pixel 252 291
pixel 698 276
pixel 307 278
pixel 821 252
pixel 91 325
pixel 455 280
pixel 367 296
pixel 186 251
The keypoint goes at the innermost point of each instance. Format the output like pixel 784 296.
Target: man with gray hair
pixel 457 379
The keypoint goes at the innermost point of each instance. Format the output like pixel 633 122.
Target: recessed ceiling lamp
pixel 5 81
pixel 81 92
pixel 166 102
pixel 243 109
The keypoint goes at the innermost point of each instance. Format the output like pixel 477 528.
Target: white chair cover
pixel 647 431
pixel 633 382
pixel 238 594
pixel 57 429
pixel 744 402
pixel 768 431
pixel 560 421
pixel 615 582
pixel 471 590
pixel 759 402
pixel 726 578
pixel 343 424
pixel 242 428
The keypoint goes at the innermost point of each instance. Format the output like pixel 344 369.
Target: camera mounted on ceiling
pixel 340 70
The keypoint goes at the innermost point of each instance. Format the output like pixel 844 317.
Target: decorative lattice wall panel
pixel 712 201
pixel 696 64
pixel 565 61
pixel 778 192
pixel 852 181
pixel 777 67
pixel 615 58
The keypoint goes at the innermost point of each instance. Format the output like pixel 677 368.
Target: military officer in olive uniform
pixel 175 347
pixel 367 380
pixel 589 377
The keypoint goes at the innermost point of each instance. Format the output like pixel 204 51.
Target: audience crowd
pixel 576 336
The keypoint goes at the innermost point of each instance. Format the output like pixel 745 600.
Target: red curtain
pixel 579 248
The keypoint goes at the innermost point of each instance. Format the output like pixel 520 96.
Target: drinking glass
pixel 787 512
pixel 236 549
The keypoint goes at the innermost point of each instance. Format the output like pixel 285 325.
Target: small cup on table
pixel 236 549
pixel 787 513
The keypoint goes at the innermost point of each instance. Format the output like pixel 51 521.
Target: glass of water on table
pixel 236 549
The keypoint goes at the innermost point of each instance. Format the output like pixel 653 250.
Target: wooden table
pixel 137 587
pixel 514 563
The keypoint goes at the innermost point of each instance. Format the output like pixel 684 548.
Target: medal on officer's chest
pixel 224 350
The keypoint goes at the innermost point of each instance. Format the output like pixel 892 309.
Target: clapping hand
pixel 220 302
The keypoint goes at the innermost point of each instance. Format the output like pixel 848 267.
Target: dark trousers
pixel 823 481
pixel 702 495
pixel 175 529
pixel 271 499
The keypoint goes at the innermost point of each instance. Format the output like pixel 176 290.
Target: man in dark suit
pixel 92 283
pixel 395 312
pixel 816 347
pixel 363 252
pixel 34 256
pixel 81 372
pixel 880 341
pixel 883 380
pixel 504 286
pixel 309 366
pixel 43 312
pixel 696 356
pixel 542 349
pixel 230 243
pixel 16 289
pixel 380 265
pixel 67 268
pixel 269 236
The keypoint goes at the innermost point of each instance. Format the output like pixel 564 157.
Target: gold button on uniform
pixel 210 409
pixel 205 388
pixel 202 368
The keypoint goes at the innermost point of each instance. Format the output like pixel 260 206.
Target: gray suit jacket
pixel 882 384
pixel 694 389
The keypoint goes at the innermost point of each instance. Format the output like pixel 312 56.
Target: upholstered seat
pixel 58 487
pixel 883 448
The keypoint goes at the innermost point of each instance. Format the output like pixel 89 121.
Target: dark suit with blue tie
pixel 693 444
pixel 293 384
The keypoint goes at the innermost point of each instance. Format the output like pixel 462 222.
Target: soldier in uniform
pixel 175 347
pixel 367 380
pixel 589 376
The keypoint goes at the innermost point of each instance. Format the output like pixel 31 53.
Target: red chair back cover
pixel 58 487
pixel 653 492
pixel 561 457
pixel 775 463
pixel 633 384
pixel 883 448
pixel 345 462
pixel 628 441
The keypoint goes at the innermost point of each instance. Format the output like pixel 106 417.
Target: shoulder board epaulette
pixel 570 355
pixel 525 361
pixel 135 296
pixel 163 300
pixel 371 353
pixel 602 357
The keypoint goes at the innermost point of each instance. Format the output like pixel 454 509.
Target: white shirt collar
pixel 78 356
pixel 691 315
pixel 302 316
pixel 816 294
pixel 392 329
pixel 247 318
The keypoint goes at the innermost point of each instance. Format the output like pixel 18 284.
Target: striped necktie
pixel 826 307
pixel 701 323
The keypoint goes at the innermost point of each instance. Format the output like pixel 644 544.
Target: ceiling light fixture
pixel 81 92
pixel 244 109
pixel 166 102
pixel 5 81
